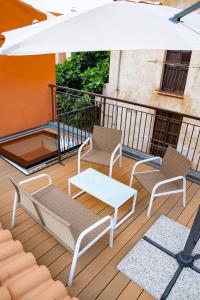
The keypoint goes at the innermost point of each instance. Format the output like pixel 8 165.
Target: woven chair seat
pixel 150 179
pixel 71 211
pixel 98 157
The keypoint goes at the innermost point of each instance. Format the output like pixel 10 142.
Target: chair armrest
pixel 167 181
pixel 117 148
pixel 91 228
pixel 78 252
pixel 88 140
pixel 145 160
pixel 35 178
pixel 139 163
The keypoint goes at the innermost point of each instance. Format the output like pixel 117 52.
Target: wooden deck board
pixel 131 291
pixel 96 276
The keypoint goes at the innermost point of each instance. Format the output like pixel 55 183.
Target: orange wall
pixel 25 98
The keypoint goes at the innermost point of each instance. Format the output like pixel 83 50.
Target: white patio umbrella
pixel 120 25
pixel 64 6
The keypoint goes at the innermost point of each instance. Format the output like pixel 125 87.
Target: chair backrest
pixel 106 138
pixel 174 163
pixel 57 226
pixel 25 200
pixel 16 186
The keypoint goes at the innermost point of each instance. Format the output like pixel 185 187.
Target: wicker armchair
pixel 170 179
pixel 105 148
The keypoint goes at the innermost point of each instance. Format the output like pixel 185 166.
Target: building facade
pixel 169 81
pixel 25 99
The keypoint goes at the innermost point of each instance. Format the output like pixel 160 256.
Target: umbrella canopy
pixel 120 25
pixel 64 6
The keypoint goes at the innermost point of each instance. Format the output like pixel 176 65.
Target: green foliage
pixel 93 79
pixel 85 71
pixel 67 102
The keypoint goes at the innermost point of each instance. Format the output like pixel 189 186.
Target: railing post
pixel 52 103
pixel 58 137
pixel 104 110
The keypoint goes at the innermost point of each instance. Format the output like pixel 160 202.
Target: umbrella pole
pixel 177 17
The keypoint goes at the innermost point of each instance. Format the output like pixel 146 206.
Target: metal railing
pixel 75 126
pixel 76 112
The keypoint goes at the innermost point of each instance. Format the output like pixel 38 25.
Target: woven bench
pixel 72 224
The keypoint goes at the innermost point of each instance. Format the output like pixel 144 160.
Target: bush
pixel 87 71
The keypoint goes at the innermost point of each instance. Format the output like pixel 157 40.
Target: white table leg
pixel 78 194
pixel 134 202
pixel 128 214
pixel 69 190
pixel 115 218
pixel 69 187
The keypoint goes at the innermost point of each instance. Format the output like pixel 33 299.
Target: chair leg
pixel 184 198
pixel 184 192
pixel 131 180
pixel 120 158
pixel 150 205
pixel 69 187
pixel 120 161
pixel 111 237
pixel 73 266
pixel 14 211
pixel 110 170
pixel 79 165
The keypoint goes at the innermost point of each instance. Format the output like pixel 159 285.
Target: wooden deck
pixel 96 276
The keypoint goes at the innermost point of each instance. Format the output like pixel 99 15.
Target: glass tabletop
pixel 106 189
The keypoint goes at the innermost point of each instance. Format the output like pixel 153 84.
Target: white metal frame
pixel 77 251
pixel 160 183
pixel 16 196
pixel 113 157
pixel 130 213
pixel 115 217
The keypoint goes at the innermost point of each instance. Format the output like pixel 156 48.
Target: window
pixel 166 131
pixel 175 72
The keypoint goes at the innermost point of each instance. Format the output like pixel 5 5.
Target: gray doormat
pixel 153 269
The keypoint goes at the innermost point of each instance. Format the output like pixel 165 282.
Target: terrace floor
pixel 96 276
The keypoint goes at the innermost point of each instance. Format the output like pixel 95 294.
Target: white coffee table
pixel 106 189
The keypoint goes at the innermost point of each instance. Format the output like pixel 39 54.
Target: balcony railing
pixel 76 112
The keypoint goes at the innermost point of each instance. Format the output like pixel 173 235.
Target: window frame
pixel 165 63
